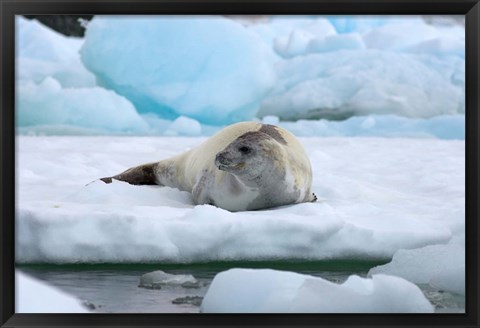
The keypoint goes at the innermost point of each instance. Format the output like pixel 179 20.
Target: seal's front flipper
pixel 138 175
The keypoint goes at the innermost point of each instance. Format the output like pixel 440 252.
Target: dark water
pixel 108 288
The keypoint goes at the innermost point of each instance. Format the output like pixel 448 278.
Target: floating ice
pixel 442 127
pixel 399 194
pixel 441 266
pixel 417 72
pixel 364 23
pixel 157 279
pixel 399 36
pixel 336 42
pixel 270 291
pixel 55 93
pixel 444 45
pixel 42 52
pixel 193 69
pixel 276 31
pixel 48 103
pixel 35 296
pixel 297 41
pixel 197 78
pixel 191 300
pixel 337 85
pixel 184 126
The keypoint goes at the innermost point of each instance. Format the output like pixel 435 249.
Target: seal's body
pixel 245 166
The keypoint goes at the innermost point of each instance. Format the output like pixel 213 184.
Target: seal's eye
pixel 244 149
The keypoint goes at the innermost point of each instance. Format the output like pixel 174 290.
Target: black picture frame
pixel 10 8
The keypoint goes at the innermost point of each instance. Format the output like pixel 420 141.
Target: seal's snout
pixel 221 160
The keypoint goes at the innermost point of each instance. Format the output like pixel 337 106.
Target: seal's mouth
pixel 239 166
pixel 224 163
pixel 223 167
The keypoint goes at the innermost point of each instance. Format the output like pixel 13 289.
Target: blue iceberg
pixel 208 68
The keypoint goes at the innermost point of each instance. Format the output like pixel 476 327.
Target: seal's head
pixel 249 155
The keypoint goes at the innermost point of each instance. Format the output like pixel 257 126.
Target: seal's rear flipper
pixel 138 175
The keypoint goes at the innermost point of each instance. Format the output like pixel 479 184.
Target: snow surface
pixel 376 196
pixel 269 291
pixel 35 296
pixel 128 80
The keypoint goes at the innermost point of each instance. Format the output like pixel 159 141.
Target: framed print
pixel 212 163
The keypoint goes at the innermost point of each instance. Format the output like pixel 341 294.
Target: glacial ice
pixel 290 67
pixel 48 103
pixel 343 83
pixel 175 66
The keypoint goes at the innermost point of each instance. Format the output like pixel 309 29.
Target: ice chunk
pixel 380 294
pixel 266 291
pixel 156 279
pixel 184 126
pixel 388 200
pixel 197 79
pixel 444 45
pixel 336 42
pixel 248 290
pixel 35 296
pixel 364 23
pixel 319 27
pixel 190 300
pixel 390 126
pixel 40 42
pixel 340 84
pixel 278 29
pixel 441 266
pixel 298 40
pixel 274 120
pixel 175 66
pixel 49 103
pixel 399 36
pixel 295 45
pixel 41 52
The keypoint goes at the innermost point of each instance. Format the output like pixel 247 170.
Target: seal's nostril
pixel 220 158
